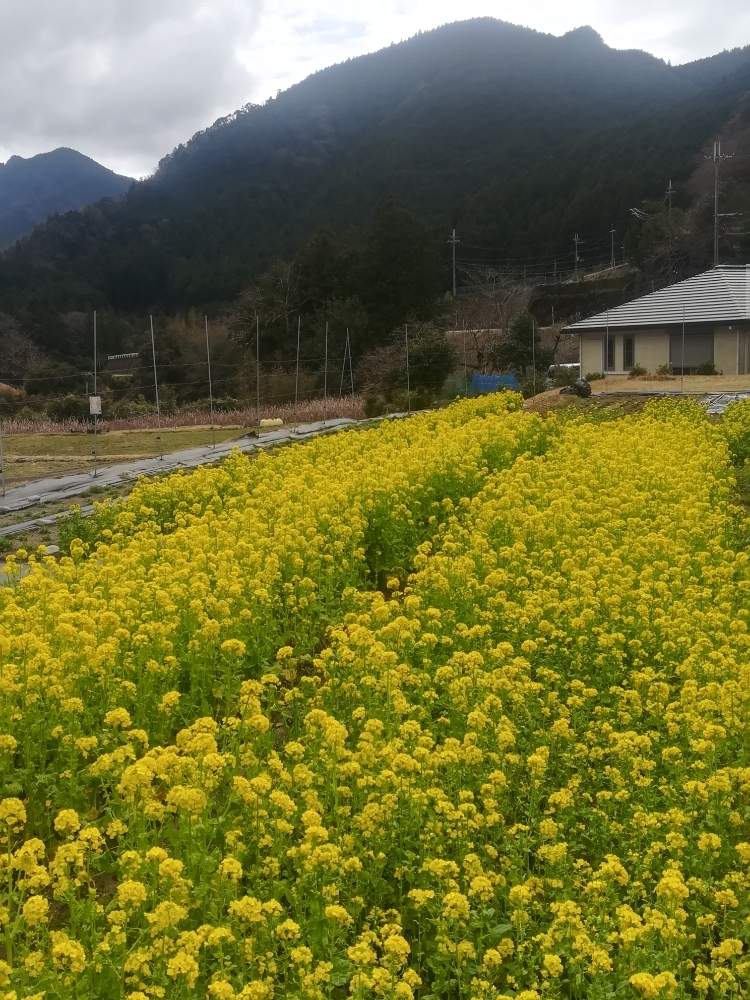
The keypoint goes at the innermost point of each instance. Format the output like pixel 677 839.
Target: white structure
pixel 701 322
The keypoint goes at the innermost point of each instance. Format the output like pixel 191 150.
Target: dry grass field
pixel 32 456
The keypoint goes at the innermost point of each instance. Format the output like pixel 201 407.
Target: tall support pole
pixel 612 247
pixel 210 386
pixel 466 367
pixel 682 364
pixel 156 388
pixel 2 459
pixel 96 418
pixel 408 378
pixel 576 258
pixel 351 372
pixel 717 156
pixel 606 348
pixel 533 354
pixel 453 242
pixel 257 368
pixel 296 370
pixel 343 367
pixel 325 375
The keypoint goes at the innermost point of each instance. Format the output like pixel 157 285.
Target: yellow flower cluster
pixel 456 707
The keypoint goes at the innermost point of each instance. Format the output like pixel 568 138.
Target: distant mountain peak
pixel 35 187
pixel 584 35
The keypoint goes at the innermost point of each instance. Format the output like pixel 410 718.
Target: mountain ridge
pixel 504 131
pixel 60 180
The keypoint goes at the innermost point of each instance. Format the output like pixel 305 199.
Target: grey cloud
pixel 123 80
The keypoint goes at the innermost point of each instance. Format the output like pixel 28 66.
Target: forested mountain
pixel 517 137
pixel 33 189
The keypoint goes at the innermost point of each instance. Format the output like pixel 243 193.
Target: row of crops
pixel 453 708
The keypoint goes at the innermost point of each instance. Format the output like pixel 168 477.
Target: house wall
pixel 651 349
pixel 592 358
pixel 725 350
pixel 744 352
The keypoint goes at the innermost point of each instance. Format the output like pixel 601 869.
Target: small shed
pixel 696 325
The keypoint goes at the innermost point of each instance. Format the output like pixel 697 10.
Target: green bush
pixel 707 369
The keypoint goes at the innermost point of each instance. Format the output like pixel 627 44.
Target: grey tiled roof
pixel 721 295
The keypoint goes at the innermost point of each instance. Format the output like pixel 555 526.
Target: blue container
pixel 481 384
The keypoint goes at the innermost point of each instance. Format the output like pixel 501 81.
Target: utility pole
pixel 717 156
pixel 668 195
pixel 612 247
pixel 533 353
pixel 453 241
pixel 576 241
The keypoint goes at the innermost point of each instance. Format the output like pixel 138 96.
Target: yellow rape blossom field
pixel 456 707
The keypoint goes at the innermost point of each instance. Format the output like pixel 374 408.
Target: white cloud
pixel 126 80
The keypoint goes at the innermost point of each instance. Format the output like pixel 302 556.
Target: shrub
pixel 68 407
pixel 706 369
pixel 374 405
pixel 594 376
pixel 637 371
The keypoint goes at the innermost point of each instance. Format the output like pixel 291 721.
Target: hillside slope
pixel 33 189
pixel 518 137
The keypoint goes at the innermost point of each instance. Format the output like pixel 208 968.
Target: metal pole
pixel 296 374
pixel 408 380
pixel 351 373
pixel 682 369
pixel 2 458
pixel 210 386
pixel 612 247
pixel 453 248
pixel 466 370
pixel 325 377
pixel 257 367
pixel 156 389
pixel 533 354
pixel 343 367
pixel 95 415
pixel 606 349
pixel 717 154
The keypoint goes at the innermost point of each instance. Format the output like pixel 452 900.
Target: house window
pixel 610 354
pixel 628 353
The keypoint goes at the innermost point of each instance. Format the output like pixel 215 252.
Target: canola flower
pixel 518 771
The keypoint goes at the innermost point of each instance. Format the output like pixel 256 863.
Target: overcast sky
pixel 126 80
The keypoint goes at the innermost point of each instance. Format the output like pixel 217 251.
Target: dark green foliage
pixel 516 353
pixel 357 174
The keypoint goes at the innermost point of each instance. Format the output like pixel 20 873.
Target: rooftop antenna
pixel 612 247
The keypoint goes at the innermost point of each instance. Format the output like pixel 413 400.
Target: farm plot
pixel 453 708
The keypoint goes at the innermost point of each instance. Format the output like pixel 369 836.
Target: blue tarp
pixel 491 383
